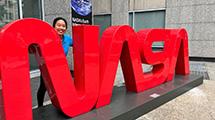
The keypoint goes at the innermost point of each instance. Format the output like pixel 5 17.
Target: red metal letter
pixel 116 41
pixel 158 59
pixel 121 40
pixel 179 56
pixel 15 39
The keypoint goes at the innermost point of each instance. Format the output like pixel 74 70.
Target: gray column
pixel 120 12
pixel 119 16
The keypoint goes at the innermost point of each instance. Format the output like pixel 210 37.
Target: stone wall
pixel 117 8
pixel 101 7
pixel 146 4
pixel 198 18
pixel 119 12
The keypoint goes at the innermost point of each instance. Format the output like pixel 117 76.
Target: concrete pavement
pixel 196 104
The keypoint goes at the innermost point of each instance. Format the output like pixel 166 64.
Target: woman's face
pixel 60 27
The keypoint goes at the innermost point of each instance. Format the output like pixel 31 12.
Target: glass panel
pixel 32 8
pixel 131 19
pixel 151 19
pixel 8 11
pixel 104 21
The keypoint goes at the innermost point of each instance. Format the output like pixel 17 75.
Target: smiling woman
pixel 60 26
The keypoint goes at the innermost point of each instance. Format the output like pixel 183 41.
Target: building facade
pixel 196 16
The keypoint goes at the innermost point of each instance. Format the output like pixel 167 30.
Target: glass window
pixel 32 8
pixel 131 19
pixel 150 19
pixel 104 21
pixel 8 11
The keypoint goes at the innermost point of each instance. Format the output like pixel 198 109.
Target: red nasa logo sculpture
pixel 95 64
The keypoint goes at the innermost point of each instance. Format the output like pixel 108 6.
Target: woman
pixel 60 25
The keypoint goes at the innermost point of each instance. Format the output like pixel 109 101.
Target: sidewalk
pixel 196 104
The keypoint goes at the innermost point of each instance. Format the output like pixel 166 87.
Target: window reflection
pixel 8 11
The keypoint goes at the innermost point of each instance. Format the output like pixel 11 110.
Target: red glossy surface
pixel 72 98
pixel 158 59
pixel 116 42
pixel 94 66
pixel 121 41
pixel 179 56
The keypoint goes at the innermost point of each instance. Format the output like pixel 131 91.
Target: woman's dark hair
pixel 59 18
